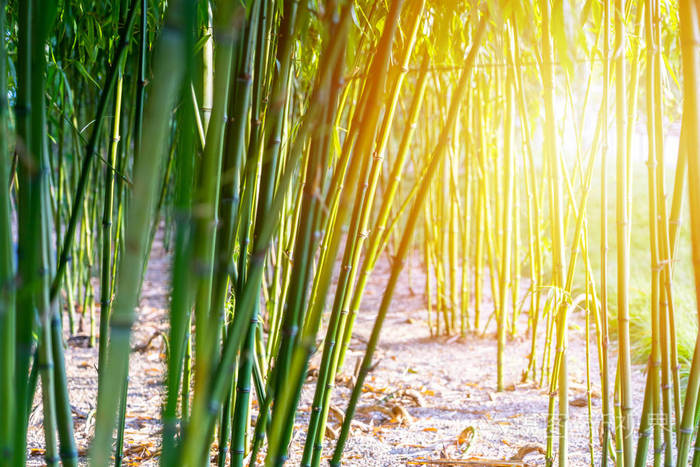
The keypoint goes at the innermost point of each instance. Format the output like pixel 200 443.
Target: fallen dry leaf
pixel 579 401
pixel 331 433
pixel 401 415
pixel 414 395
pixel 465 439
pixel 528 449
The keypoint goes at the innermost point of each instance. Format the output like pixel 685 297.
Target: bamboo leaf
pixel 81 69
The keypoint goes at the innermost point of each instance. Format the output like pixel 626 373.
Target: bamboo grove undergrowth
pixel 278 151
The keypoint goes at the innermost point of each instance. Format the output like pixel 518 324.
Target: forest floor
pixel 420 405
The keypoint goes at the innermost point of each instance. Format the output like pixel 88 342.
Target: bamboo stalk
pixel 106 252
pixel 7 270
pixel 380 225
pixel 622 235
pixel 181 302
pixel 337 329
pixel 24 323
pixel 558 257
pixel 605 371
pixel 90 150
pixel 282 419
pixel 507 222
pixel 169 73
pixel 250 291
pixel 435 159
pixel 651 421
pixel 235 147
pixel 691 70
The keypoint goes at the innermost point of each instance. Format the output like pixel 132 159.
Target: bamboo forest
pixel 350 232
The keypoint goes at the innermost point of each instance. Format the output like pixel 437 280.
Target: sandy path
pixel 457 380
pixel 451 386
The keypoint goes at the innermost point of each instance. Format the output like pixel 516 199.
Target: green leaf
pixel 200 43
pixel 81 69
pixel 670 71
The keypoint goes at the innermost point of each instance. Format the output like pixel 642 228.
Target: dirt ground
pixel 426 399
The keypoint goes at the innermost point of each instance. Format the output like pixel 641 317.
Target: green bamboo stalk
pixel 380 225
pixel 121 423
pixel 206 198
pixel 452 202
pixel 269 159
pixel 533 210
pixel 632 91
pixel 283 415
pixel 605 371
pixel 208 65
pixel 665 255
pixel 186 375
pixel 467 224
pixel 652 397
pixel 34 240
pixel 24 324
pixel 7 270
pixel 688 13
pixel 622 232
pixel 106 252
pixel 141 76
pixel 589 396
pixel 667 333
pixel 301 269
pixel 428 278
pixel 558 255
pixel 67 447
pixel 181 300
pixel 562 297
pixel 414 215
pixel 246 360
pixel 688 418
pixel 515 275
pixel 344 292
pixel 168 73
pixel 250 291
pixel 491 229
pixel 91 149
pixel 44 358
pixel 507 222
pixel 439 255
pixel 38 182
pixel 481 206
pixel 240 110
pixel 251 172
